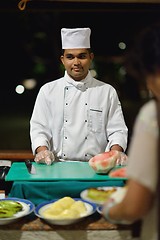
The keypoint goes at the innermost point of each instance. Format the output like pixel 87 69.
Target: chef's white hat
pixel 75 38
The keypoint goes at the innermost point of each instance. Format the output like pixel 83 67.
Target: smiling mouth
pixel 77 69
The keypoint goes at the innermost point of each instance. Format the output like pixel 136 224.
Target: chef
pixel 77 116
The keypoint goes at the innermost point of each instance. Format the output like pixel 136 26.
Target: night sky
pixel 30 44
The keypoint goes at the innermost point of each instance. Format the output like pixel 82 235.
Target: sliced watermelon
pixel 103 162
pixel 120 172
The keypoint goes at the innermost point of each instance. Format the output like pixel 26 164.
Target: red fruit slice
pixel 120 172
pixel 103 162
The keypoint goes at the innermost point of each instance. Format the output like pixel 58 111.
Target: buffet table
pixel 57 181
pixel 94 227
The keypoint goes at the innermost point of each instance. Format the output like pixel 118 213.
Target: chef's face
pixel 77 62
pixel 153 84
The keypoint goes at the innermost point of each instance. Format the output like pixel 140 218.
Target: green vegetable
pixel 9 207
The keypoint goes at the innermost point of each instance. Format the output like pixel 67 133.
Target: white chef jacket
pixel 77 119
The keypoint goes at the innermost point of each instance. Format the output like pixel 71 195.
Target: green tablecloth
pixel 56 181
pixel 38 192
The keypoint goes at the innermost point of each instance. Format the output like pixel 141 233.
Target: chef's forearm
pixel 41 148
pixel 116 147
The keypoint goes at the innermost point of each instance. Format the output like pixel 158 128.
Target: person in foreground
pixel 140 202
pixel 76 117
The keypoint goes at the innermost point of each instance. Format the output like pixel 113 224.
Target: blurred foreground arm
pixel 135 205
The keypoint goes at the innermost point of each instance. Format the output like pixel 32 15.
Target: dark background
pixel 30 47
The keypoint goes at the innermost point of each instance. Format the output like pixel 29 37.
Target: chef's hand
pixel 45 156
pixel 122 160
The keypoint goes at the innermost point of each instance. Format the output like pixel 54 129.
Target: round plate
pixel 84 195
pixel 28 207
pixel 91 208
pixel 99 209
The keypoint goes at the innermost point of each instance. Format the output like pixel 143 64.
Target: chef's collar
pixel 83 84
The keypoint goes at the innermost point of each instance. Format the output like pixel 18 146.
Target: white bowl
pixel 28 207
pixel 91 208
